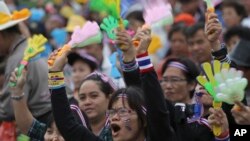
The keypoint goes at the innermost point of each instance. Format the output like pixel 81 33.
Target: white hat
pixel 4 9
pixel 133 8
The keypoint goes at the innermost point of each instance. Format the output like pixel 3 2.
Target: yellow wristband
pixel 55 75
pixel 55 79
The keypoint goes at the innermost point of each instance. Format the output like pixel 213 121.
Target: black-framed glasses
pixel 172 80
pixel 121 112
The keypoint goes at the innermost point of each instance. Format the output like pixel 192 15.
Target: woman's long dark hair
pixel 134 96
pixel 106 85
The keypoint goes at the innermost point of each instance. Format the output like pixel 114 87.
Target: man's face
pixel 200 47
pixel 190 6
pixel 246 3
pixel 3 48
pixel 134 24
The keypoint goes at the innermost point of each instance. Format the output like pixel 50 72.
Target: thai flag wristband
pixel 56 80
pixel 223 137
pixel 144 62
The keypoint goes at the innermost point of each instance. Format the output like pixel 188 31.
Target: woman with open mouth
pixel 127 115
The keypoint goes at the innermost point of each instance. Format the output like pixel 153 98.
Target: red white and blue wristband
pixel 144 62
pixel 223 137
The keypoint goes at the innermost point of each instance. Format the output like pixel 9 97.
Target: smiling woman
pixel 94 95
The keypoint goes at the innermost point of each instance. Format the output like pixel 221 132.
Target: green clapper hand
pixel 35 46
pixel 23 137
pixel 109 25
pixel 209 83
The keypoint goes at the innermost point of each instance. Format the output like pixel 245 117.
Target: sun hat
pixel 74 20
pixel 240 54
pixel 8 20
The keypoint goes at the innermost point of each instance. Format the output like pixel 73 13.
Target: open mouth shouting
pixel 115 129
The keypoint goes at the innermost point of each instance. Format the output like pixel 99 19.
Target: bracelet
pixel 24 62
pixel 17 98
pixel 223 135
pixel 56 80
pixel 131 66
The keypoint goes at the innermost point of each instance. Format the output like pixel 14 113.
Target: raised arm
pixel 213 30
pixel 129 65
pixel 67 125
pixel 24 119
pixel 158 122
pixel 157 112
pixel 218 117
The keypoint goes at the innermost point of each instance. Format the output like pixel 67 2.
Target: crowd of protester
pixel 155 96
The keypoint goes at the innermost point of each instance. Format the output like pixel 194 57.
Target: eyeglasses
pixel 173 80
pixel 121 112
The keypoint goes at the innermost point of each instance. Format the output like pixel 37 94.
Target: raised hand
pixel 218 118
pixel 124 39
pixel 58 59
pixel 213 29
pixel 19 81
pixel 144 36
pixel 35 46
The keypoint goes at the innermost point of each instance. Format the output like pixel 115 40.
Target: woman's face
pixel 230 17
pixel 52 134
pixel 175 86
pixel 124 122
pixel 93 101
pixel 80 71
pixel 179 44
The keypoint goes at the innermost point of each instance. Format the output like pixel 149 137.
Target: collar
pixel 17 41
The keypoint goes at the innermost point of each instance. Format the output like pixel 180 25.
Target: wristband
pixel 24 62
pixel 221 52
pixel 128 67
pixel 17 98
pixel 55 75
pixel 144 62
pixel 223 135
pixel 56 80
